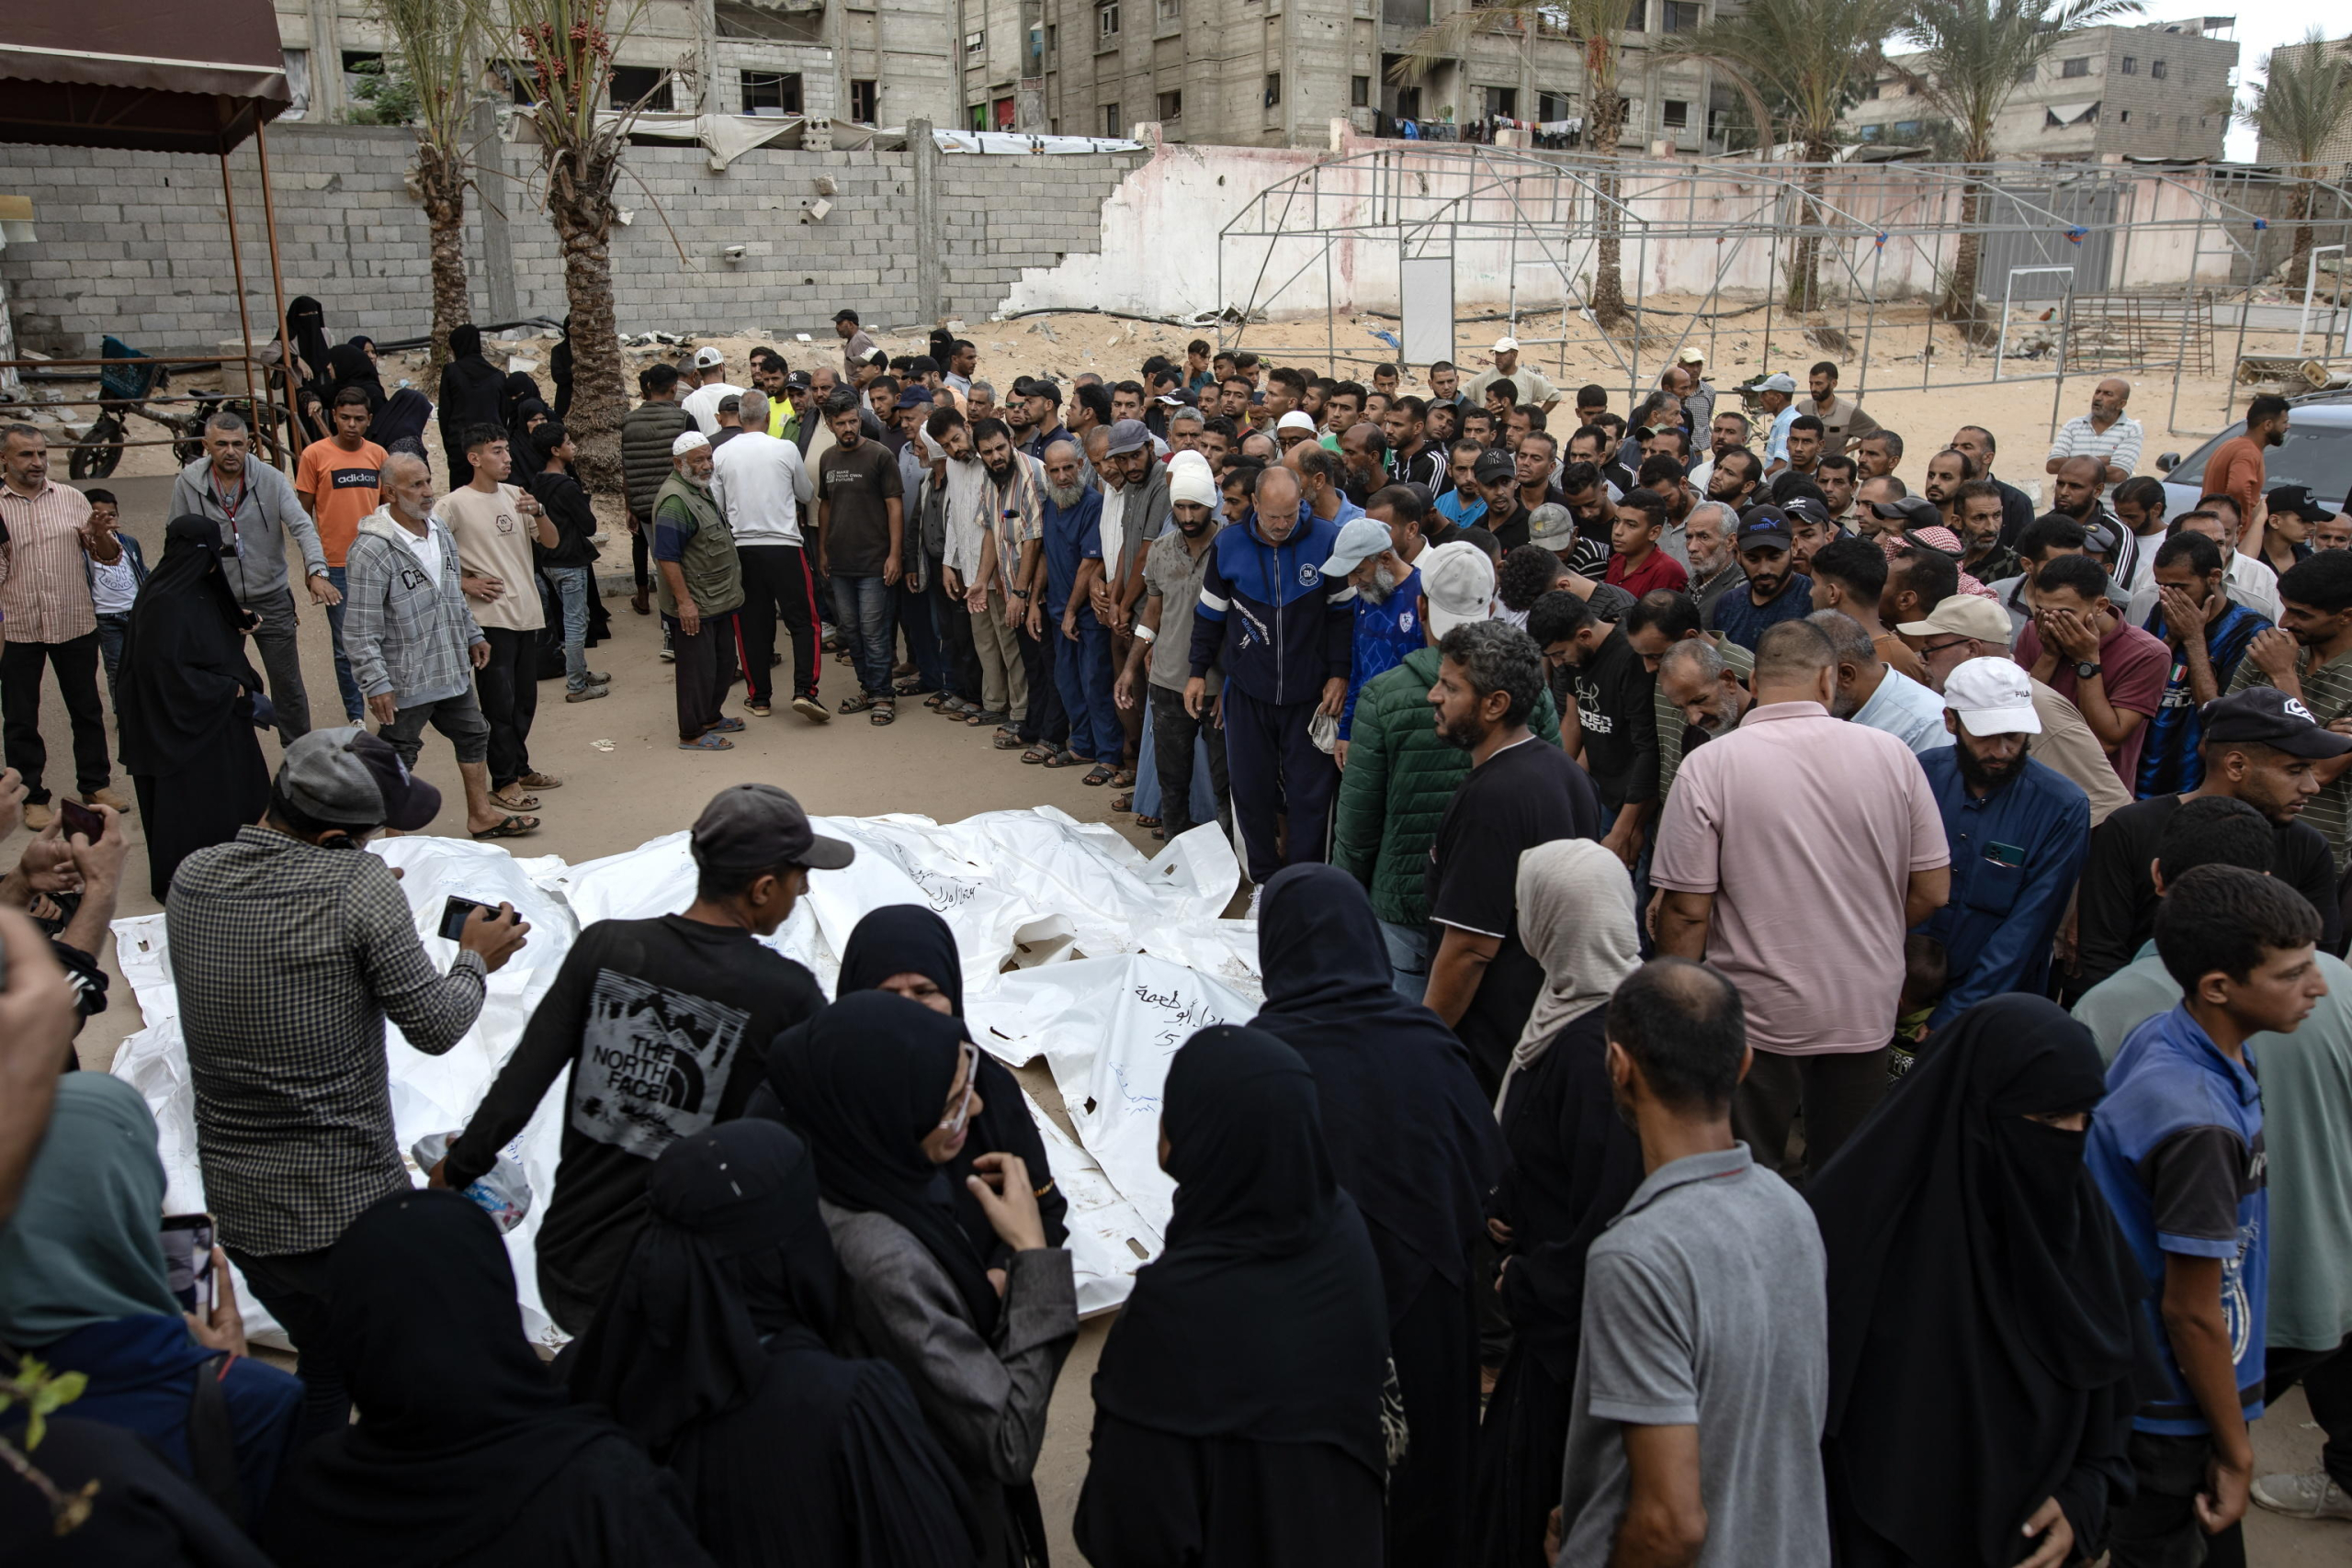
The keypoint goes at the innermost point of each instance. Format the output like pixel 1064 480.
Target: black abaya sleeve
pixel 610 1507
pixel 2102 1477
pixel 1004 1126
pixel 906 1505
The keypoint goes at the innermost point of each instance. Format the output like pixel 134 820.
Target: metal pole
pixel 292 449
pixel 2065 341
pixel 237 261
pixel 2310 286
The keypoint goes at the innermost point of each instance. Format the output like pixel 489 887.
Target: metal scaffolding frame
pixel 1871 227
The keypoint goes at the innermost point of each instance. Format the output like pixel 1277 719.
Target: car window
pixel 2319 455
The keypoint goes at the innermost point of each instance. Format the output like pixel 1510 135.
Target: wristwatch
pixel 2084 669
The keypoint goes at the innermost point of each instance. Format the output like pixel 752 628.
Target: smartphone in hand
pixel 187 1262
pixel 75 817
pixel 456 911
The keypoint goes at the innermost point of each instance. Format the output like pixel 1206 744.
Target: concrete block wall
pixel 135 243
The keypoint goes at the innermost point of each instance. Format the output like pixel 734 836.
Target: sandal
pixel 725 726
pixel 884 712
pixel 936 701
pixel 910 688
pixel 1101 775
pixel 1140 821
pixel 708 740
pixel 513 802
pixel 980 717
pixel 509 827
pixel 1127 803
pixel 1004 740
pixel 1124 778
pixel 1040 753
pixel 1065 758
pixel 541 781
pixel 858 704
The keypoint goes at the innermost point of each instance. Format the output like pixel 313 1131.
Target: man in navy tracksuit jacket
pixel 1282 632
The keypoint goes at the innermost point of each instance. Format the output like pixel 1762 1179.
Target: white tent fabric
pixel 1076 949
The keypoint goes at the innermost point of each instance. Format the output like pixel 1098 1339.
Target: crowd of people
pixel 1803 1018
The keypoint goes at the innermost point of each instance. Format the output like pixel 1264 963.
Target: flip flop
pixel 707 741
pixel 726 726
pixel 1140 821
pixel 509 827
pixel 516 803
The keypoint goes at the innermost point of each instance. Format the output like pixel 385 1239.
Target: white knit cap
pixel 1189 479
pixel 687 441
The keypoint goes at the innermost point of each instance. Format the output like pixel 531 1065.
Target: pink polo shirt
pixel 1806 829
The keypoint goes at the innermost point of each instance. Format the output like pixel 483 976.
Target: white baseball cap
pixel 1778 381
pixel 1297 419
pixel 1692 357
pixel 1506 344
pixel 1992 696
pixel 1459 581
pixel 707 357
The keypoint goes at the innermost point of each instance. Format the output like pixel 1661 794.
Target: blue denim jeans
pixel 355 707
pixel 863 612
pixel 575 586
pixel 110 630
pixel 1408 958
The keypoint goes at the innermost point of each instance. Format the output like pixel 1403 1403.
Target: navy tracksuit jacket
pixel 1279 629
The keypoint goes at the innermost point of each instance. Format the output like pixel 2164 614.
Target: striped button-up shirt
pixel 288 958
pixel 44 584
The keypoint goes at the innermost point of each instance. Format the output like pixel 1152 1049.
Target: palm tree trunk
pixel 440 180
pixel 1805 287
pixel 2300 214
pixel 1608 281
pixel 1968 257
pixel 580 207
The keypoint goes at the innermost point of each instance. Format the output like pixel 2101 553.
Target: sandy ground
pixel 625 783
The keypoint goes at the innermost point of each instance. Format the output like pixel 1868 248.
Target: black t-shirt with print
pixel 857 487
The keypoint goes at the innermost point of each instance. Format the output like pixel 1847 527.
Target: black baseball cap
pixel 2272 718
pixel 757 827
pixel 1805 508
pixel 1494 464
pixel 1765 525
pixel 2297 501
pixel 1039 387
pixel 1911 510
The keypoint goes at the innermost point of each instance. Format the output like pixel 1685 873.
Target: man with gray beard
pixel 1077 648
pixel 1714 565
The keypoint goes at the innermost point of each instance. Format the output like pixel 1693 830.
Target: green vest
pixel 712 575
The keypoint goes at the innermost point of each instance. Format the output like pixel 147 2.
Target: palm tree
pixel 1601 25
pixel 435 44
pixel 1798 65
pixel 568 47
pixel 1972 55
pixel 2299 106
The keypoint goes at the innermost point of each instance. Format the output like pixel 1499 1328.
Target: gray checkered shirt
pixel 288 958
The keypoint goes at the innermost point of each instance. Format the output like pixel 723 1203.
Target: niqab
pixel 306 336
pixel 460 1424
pixel 863 1082
pixel 1260 1320
pixel 82 1246
pixel 734 1258
pixel 1576 919
pixel 1409 1136
pixel 1980 1294
pixel 183 667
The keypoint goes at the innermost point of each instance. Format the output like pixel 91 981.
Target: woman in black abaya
pixel 1983 1307
pixel 184 705
pixel 467 1454
pixel 1573 1163
pixel 907 948
pixel 520 410
pixel 1413 1141
pixel 712 1350
pixel 884 1091
pixel 471 394
pixel 306 337
pixel 350 364
pixel 1237 1413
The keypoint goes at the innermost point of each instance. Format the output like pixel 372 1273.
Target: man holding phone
pixel 663 1027
pixel 290 951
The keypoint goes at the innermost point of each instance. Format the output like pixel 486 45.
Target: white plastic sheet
pixel 1076 949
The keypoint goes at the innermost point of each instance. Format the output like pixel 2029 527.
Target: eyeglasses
pixel 956 1120
pixel 1931 648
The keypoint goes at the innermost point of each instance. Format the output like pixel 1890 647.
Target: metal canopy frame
pixel 1546 212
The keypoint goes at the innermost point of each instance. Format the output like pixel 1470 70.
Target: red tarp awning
pixel 161 75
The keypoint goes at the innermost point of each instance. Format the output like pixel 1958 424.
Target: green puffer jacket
pixel 1399 779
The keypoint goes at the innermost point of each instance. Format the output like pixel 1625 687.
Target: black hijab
pixel 306 338
pixel 403 418
pixel 733 1259
pixel 348 365
pixel 517 389
pixel 460 1424
pixel 1262 1319
pixel 183 665
pixel 911 938
pixel 1981 1297
pixel 559 369
pixel 1410 1135
pixel 863 1082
